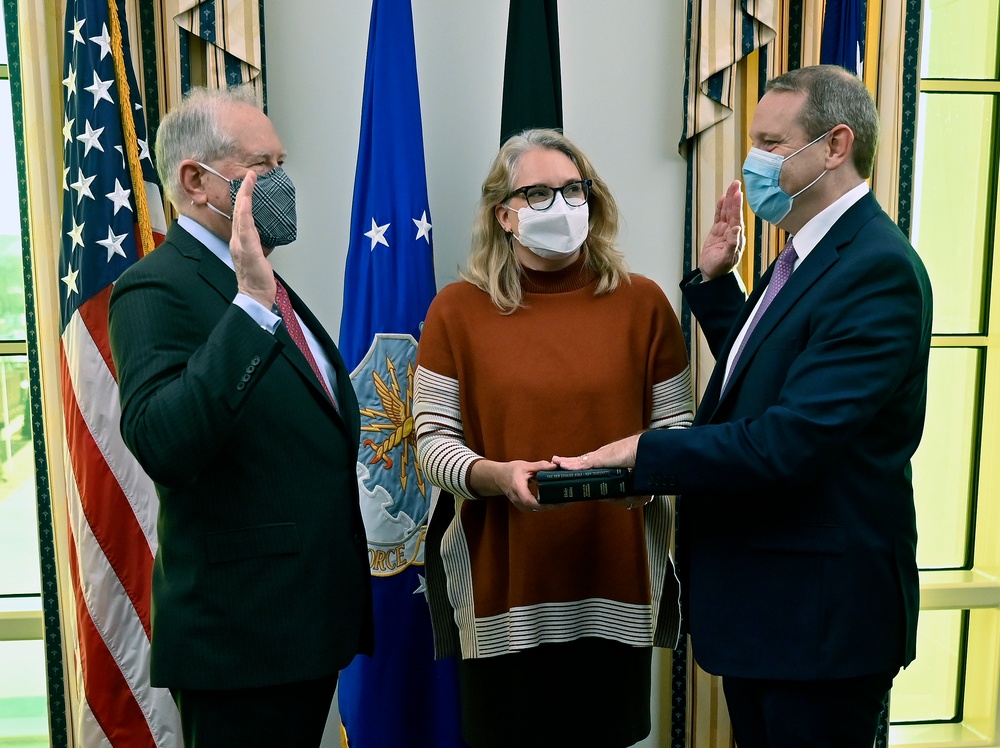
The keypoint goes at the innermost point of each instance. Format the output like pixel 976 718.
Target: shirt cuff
pixel 260 314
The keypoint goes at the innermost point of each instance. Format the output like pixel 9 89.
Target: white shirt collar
pixel 214 244
pixel 819 225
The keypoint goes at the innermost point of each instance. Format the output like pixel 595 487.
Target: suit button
pixel 240 385
pixel 250 369
pixel 246 377
pixel 255 360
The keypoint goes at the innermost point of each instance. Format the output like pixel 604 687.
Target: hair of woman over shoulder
pixel 493 266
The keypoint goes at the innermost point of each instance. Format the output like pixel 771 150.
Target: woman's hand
pixel 509 479
pixel 724 244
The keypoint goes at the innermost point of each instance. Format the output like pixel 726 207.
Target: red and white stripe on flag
pixel 112 215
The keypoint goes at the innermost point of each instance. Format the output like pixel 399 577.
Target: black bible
pixel 561 486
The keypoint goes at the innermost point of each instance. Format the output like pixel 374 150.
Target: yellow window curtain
pixel 213 43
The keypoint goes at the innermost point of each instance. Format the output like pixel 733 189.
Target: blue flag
pixel 843 41
pixel 401 696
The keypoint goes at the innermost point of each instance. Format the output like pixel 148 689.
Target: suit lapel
pixel 346 398
pixel 812 268
pixel 823 256
pixel 213 270
pixel 712 397
pixel 221 277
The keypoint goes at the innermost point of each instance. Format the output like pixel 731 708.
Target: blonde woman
pixel 547 346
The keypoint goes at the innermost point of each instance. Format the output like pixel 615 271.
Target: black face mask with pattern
pixel 272 205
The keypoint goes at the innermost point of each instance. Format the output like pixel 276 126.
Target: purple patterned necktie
pixel 295 331
pixel 782 271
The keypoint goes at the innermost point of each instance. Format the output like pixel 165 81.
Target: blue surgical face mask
pixel 761 177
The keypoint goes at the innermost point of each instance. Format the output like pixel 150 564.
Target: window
pixel 949 696
pixel 24 716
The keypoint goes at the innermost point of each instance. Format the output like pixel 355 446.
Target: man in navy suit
pixel 799 551
pixel 238 405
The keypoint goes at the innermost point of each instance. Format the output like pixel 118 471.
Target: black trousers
pixel 806 714
pixel 587 693
pixel 291 715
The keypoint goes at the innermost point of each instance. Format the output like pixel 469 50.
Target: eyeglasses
pixel 541 196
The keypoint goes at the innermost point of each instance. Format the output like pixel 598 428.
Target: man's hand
pixel 619 454
pixel 724 244
pixel 254 274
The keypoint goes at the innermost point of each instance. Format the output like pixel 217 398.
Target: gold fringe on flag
pixel 145 237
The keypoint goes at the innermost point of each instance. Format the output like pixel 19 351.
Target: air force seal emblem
pixel 395 496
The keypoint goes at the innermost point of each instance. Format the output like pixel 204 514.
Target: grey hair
pixel 194 130
pixel 835 96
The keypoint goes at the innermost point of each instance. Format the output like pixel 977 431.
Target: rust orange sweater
pixel 564 374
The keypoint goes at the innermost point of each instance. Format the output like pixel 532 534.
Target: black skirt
pixel 588 693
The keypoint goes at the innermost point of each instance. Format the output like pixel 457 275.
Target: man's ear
pixel 839 146
pixel 192 179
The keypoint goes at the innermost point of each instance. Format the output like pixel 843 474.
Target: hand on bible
pixel 617 454
pixel 724 244
pixel 254 274
pixel 509 479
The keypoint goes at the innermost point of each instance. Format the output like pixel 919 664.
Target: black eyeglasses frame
pixel 523 191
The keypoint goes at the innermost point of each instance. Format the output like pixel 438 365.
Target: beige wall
pixel 623 72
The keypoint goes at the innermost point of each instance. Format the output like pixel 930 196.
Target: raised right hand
pixel 254 274
pixel 724 244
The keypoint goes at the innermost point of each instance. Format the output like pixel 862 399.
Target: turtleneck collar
pixel 573 277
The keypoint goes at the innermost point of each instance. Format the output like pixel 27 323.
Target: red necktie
pixel 292 324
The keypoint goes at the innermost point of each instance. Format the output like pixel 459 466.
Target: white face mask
pixel 555 232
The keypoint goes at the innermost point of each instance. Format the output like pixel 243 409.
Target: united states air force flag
pixel 401 696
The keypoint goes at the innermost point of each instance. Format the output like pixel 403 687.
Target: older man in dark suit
pixel 237 404
pixel 797 503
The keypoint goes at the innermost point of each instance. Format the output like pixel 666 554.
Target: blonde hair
pixel 492 265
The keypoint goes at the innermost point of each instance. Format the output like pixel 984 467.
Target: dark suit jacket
pixel 261 576
pixel 797 525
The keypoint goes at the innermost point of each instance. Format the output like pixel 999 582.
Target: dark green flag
pixel 532 84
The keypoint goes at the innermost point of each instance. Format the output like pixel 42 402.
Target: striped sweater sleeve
pixel 441 449
pixel 673 402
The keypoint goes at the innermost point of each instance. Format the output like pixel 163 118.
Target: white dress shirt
pixel 805 242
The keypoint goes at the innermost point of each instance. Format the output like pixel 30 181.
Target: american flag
pixel 108 223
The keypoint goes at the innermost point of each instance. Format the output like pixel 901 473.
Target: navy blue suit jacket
pixel 797 526
pixel 261 576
